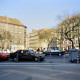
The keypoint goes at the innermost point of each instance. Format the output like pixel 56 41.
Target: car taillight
pixel 76 51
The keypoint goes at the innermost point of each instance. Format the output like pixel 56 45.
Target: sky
pixel 38 14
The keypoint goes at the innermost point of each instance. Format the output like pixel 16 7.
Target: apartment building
pixel 17 31
pixel 34 39
pixel 35 42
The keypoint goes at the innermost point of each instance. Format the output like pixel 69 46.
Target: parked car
pixel 54 52
pixel 3 56
pixel 26 55
pixel 6 51
pixel 73 53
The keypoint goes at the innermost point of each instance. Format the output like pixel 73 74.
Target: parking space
pixel 47 59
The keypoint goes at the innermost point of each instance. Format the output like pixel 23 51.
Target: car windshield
pixel 31 51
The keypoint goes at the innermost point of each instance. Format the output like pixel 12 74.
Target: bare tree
pixel 47 35
pixel 71 27
pixel 5 37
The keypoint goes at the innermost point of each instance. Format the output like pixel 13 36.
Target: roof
pixel 42 30
pixel 10 20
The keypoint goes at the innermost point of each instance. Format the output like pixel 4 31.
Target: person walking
pixel 38 50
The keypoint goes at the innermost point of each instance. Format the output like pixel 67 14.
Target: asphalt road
pixel 39 71
pixel 56 59
pixel 52 68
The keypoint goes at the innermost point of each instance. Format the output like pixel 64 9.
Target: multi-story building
pixel 17 31
pixel 34 39
pixel 35 42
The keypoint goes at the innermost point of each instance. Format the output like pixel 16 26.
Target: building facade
pixel 35 42
pixel 17 31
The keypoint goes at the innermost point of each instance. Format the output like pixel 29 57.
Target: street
pixel 39 71
pixel 50 69
pixel 56 59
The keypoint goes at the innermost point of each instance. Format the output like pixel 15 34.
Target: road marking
pixel 41 64
pixel 25 65
pixel 5 75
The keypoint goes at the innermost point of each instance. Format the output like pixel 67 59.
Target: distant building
pixel 34 39
pixel 34 42
pixel 17 30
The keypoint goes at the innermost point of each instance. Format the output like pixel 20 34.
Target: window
pixel 11 31
pixel 20 27
pixel 3 24
pixel 20 41
pixel 15 41
pixel 10 41
pixel 15 36
pixel 15 31
pixel 20 37
pixel 16 26
pixel 4 29
pixel 4 20
pixel 20 32
pixel 11 26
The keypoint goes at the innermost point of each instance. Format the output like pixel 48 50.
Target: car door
pixel 25 55
pixel 29 55
pixel 20 54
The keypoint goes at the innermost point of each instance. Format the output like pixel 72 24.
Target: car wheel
pixel 59 54
pixel 15 59
pixel 35 59
pixel 0 59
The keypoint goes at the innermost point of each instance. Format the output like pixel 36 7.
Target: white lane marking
pixel 24 65
pixel 5 75
pixel 53 65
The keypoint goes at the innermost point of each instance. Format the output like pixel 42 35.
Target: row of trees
pixel 69 29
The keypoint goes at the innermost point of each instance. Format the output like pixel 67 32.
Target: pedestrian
pixel 44 50
pixel 38 50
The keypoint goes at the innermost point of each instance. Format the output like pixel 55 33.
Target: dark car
pixel 54 52
pixel 26 55
pixel 3 56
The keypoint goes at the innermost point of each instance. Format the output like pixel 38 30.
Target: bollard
pixel 17 58
pixel 50 57
pixel 38 58
pixel 64 58
pixel 77 58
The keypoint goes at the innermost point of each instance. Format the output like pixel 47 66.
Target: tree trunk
pixel 72 45
pixel 79 43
